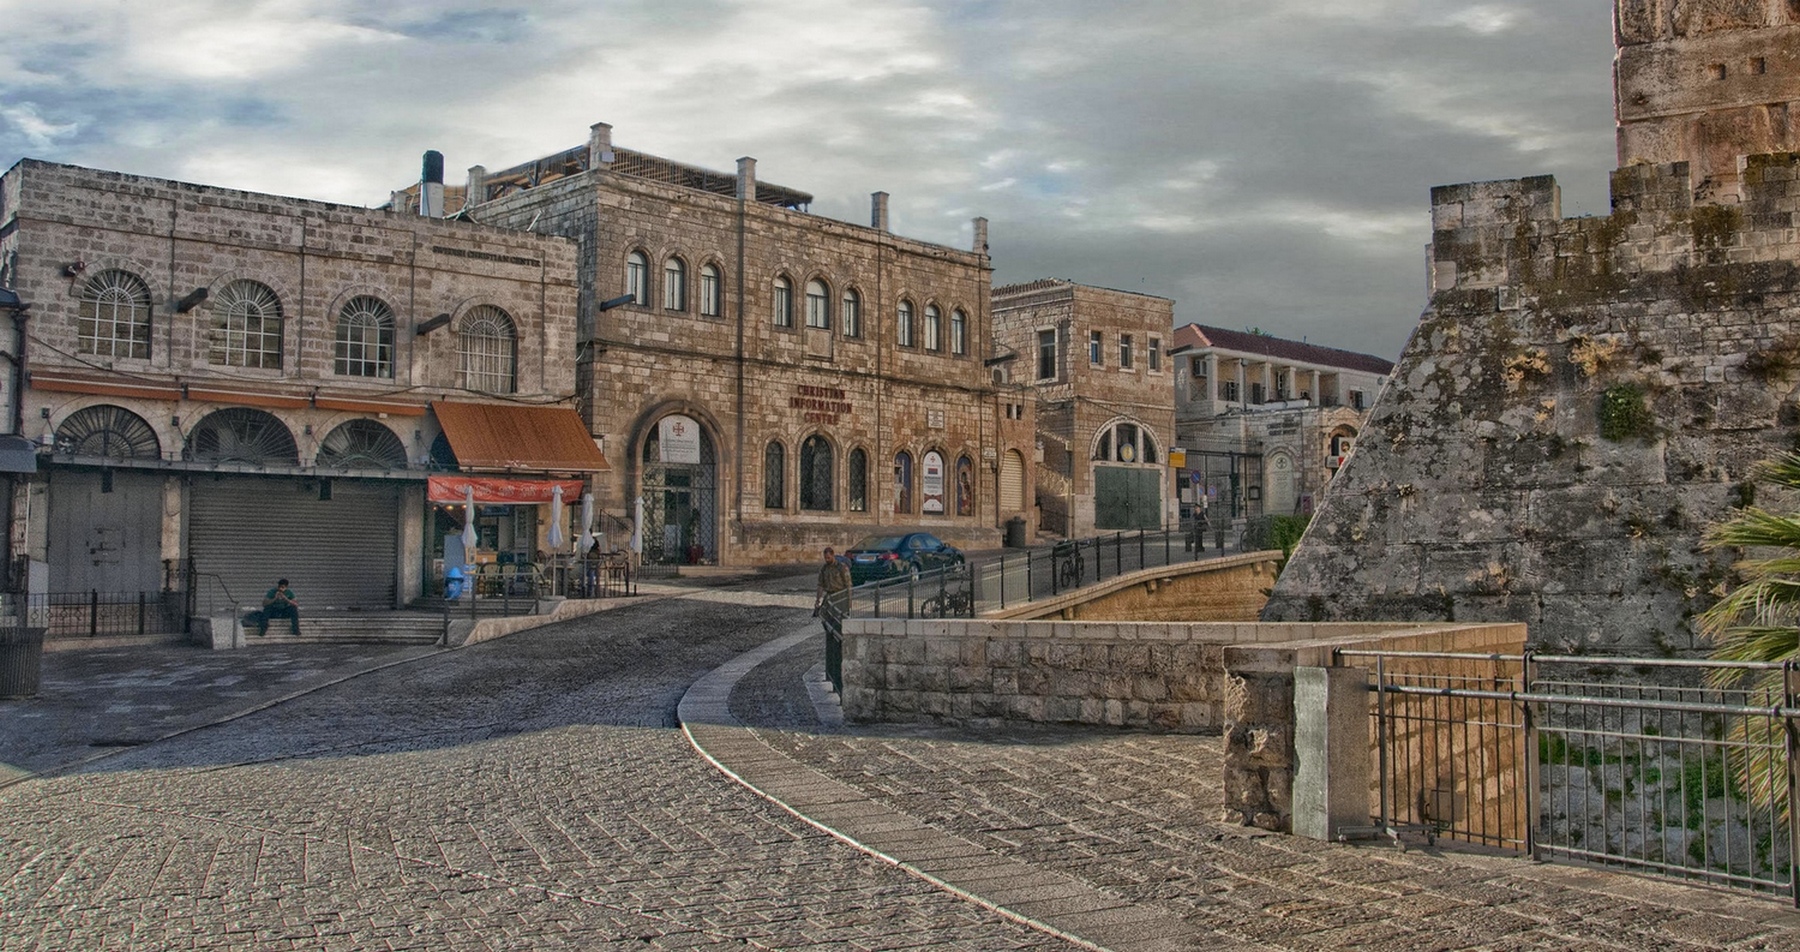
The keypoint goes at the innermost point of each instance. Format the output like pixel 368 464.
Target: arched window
pixel 784 302
pixel 818 477
pixel 934 328
pixel 857 480
pixel 242 435
pixel 850 312
pixel 712 302
pixel 903 325
pixel 774 469
pixel 675 285
pixel 487 351
pixel 108 432
pixel 246 327
pixel 965 486
pixel 959 332
pixel 362 444
pixel 114 320
pixel 365 339
pixel 637 278
pixel 818 305
pixel 1125 443
pixel 903 482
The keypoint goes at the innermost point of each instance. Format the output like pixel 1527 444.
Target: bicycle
pixel 1069 573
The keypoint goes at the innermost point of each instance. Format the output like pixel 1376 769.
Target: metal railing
pixel 1629 762
pixel 966 590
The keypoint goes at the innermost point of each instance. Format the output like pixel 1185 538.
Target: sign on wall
pixel 934 484
pixel 679 439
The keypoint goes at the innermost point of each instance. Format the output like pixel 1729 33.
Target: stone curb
pixel 1048 901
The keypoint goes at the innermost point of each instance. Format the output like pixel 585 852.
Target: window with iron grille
pixel 365 339
pixel 959 332
pixel 784 302
pixel 246 327
pixel 903 324
pixel 487 351
pixel 637 278
pixel 857 480
pixel 711 303
pixel 850 311
pixel 818 475
pixel 774 469
pixel 818 305
pixel 114 320
pixel 934 328
pixel 675 285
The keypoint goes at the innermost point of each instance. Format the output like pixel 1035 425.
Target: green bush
pixel 1624 414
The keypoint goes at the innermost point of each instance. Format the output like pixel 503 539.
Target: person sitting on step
pixel 280 602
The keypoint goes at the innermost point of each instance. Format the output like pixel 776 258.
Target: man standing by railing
pixel 828 600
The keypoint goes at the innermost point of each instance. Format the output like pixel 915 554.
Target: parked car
pixel 892 556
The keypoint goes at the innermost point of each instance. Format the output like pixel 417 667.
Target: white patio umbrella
pixel 587 524
pixel 554 538
pixel 469 522
pixel 637 528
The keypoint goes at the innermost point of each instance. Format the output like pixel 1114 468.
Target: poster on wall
pixel 934 484
pixel 679 438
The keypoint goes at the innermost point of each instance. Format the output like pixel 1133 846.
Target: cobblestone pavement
pixel 528 793
pixel 534 792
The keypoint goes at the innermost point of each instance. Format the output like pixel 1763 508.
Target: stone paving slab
pixel 1127 827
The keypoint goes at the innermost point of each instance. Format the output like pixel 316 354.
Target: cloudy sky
pixel 1266 163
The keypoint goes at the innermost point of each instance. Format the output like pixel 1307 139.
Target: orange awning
pixel 499 489
pixel 509 438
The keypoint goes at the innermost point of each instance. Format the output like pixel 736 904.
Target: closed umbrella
pixel 637 528
pixel 554 539
pixel 587 524
pixel 469 522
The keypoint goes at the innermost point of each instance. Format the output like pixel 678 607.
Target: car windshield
pixel 877 543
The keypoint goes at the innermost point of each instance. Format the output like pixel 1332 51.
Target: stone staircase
pixel 410 627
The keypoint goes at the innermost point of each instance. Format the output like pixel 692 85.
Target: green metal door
pixel 1127 497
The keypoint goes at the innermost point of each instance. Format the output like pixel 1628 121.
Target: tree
pixel 1759 622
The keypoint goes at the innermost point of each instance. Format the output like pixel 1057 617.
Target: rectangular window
pixel 1256 393
pixel 1095 348
pixel 1356 399
pixel 1046 355
pixel 1228 391
pixel 1125 351
pixel 1156 355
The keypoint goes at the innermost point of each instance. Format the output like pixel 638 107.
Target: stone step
pixel 407 627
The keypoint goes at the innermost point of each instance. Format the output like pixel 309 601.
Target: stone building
pixel 768 381
pixel 1584 396
pixel 1096 364
pixel 225 387
pixel 1265 422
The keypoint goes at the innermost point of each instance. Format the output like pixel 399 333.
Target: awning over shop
pixel 508 438
pixel 495 490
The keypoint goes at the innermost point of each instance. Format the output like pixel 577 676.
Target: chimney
pixel 747 179
pixel 431 185
pixel 981 246
pixel 599 145
pixel 878 217
pixel 477 186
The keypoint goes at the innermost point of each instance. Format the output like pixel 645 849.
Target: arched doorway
pixel 680 493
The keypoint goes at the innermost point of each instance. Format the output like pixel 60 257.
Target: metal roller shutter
pixel 337 553
pixel 1012 482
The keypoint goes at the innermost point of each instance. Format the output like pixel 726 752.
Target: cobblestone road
pixel 525 794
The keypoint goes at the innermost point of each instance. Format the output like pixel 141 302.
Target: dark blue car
pixel 900 554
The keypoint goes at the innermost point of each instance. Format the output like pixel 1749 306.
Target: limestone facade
pixel 835 371
pixel 1266 422
pixel 1583 397
pixel 1096 364
pixel 205 363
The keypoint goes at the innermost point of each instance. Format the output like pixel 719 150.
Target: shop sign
pixel 819 404
pixel 678 438
pixel 934 484
pixel 500 491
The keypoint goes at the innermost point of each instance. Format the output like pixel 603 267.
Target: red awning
pixel 496 490
pixel 510 438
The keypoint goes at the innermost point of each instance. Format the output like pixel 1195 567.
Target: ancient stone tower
pixel 1706 82
pixel 1584 396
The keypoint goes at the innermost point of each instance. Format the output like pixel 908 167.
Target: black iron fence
pixel 1679 767
pixel 95 613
